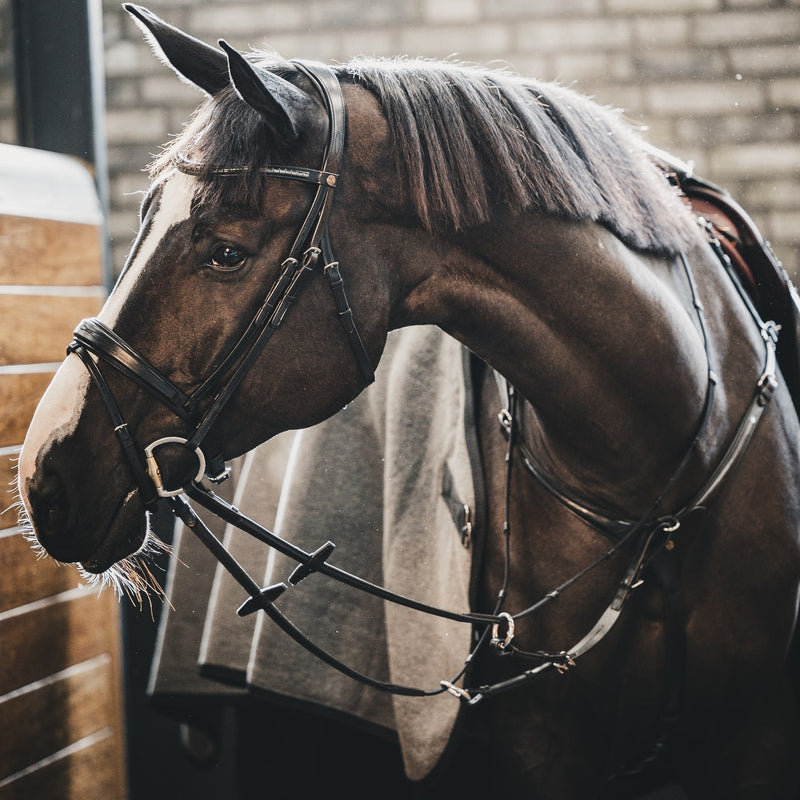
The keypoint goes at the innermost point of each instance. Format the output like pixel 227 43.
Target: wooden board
pixel 70 627
pixel 84 771
pixel 27 578
pixel 36 328
pixel 42 252
pixel 55 712
pixel 58 688
pixel 20 391
pixel 8 478
pixel 61 720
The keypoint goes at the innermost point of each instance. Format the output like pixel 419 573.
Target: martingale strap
pixel 765 386
pixel 651 533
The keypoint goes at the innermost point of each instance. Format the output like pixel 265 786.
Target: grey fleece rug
pixel 380 480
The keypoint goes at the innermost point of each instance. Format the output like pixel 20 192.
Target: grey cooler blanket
pixel 383 480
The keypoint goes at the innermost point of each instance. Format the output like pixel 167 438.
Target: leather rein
pixel 94 343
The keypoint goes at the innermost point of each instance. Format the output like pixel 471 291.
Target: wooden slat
pixel 27 578
pixel 50 715
pixel 44 252
pixel 8 475
pixel 36 328
pixel 51 636
pixel 61 720
pixel 19 394
pixel 87 771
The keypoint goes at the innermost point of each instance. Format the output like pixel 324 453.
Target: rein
pixel 94 343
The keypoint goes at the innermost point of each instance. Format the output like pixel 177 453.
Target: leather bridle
pixel 94 343
pixel 311 244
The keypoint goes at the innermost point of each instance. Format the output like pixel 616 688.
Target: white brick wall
pixel 715 81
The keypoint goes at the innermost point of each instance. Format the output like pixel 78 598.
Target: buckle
pixel 456 691
pixel 506 422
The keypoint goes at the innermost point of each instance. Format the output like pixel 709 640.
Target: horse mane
pixel 472 143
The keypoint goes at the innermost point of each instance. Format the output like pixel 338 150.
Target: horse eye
pixel 227 258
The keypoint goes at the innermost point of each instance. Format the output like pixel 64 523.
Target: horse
pixel 643 548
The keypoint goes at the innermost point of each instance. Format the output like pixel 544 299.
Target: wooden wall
pixel 61 719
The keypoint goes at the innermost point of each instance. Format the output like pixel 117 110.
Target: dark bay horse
pixel 533 226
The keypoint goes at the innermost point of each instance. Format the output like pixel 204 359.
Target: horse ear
pixel 283 105
pixel 198 63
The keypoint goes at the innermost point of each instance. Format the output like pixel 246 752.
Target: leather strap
pixel 231 515
pixel 311 241
pixel 131 450
pixel 93 335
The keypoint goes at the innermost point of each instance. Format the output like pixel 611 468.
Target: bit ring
pixel 154 471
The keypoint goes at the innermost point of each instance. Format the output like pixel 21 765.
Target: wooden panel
pixel 44 252
pixel 52 714
pixel 19 394
pixel 52 635
pixel 8 478
pixel 61 719
pixel 27 578
pixel 85 771
pixel 36 328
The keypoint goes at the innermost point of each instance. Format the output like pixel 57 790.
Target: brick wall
pixel 715 81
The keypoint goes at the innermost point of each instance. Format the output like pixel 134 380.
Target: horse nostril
pixel 50 506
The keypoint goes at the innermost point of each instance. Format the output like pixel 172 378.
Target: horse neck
pixel 602 342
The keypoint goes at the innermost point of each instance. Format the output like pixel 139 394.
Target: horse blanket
pixel 384 479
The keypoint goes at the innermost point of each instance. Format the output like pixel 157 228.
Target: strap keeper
pixel 766 386
pixel 347 319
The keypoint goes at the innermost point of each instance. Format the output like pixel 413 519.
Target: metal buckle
pixel 566 665
pixel 466 528
pixel 767 384
pixel 154 471
pixel 506 422
pixel 456 691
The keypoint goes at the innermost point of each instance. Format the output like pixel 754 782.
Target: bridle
pixel 311 243
pixel 94 343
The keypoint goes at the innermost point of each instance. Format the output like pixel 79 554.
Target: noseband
pixel 94 343
pixel 92 337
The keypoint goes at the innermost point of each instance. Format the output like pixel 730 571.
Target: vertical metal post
pixel 60 87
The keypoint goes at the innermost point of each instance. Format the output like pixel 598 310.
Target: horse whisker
pixel 132 577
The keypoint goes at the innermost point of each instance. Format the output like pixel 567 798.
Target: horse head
pixel 227 242
pixel 231 320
